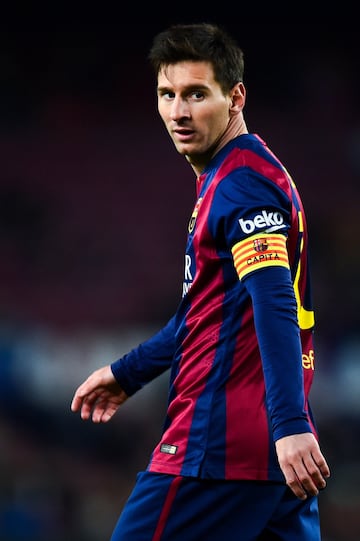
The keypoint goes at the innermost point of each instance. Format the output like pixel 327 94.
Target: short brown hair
pixel 200 42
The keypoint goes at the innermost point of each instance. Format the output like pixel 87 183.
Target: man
pixel 239 455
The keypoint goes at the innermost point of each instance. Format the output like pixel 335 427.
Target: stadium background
pixel 94 203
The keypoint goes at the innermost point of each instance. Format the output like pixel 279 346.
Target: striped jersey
pixel 240 345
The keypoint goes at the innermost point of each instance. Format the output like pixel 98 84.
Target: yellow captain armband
pixel 260 251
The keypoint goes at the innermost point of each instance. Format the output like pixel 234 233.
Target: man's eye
pixel 197 95
pixel 166 95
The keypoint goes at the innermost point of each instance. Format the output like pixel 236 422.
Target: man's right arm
pixel 147 361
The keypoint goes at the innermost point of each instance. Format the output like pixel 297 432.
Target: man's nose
pixel 179 109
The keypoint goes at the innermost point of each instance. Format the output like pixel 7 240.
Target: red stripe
pixel 167 508
pixel 249 383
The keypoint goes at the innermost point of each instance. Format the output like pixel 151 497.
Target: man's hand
pixel 302 463
pixel 99 397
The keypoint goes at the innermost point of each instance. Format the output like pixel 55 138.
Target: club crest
pixel 260 245
pixel 194 215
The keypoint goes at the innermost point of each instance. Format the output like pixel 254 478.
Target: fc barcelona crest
pixel 194 215
pixel 260 245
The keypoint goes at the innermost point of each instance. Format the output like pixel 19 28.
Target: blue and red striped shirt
pixel 240 345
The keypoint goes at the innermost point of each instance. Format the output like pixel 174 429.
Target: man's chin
pixel 182 149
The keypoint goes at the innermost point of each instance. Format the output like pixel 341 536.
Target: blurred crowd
pixel 94 202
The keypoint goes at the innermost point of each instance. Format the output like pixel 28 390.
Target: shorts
pixel 165 507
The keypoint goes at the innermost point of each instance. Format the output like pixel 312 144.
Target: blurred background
pixel 94 205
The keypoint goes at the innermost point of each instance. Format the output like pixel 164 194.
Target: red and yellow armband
pixel 259 251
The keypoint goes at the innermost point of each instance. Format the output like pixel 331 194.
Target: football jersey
pixel 240 345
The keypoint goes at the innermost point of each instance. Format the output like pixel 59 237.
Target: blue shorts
pixel 173 508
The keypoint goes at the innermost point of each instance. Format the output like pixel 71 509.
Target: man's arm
pixel 147 361
pixel 300 459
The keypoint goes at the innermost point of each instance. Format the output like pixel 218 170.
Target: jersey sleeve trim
pixel 259 251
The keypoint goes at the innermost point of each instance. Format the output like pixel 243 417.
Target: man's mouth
pixel 183 134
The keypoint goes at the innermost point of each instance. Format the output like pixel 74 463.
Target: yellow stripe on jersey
pixel 260 251
pixel 306 317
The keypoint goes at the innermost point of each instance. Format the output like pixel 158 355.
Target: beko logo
pixel 271 220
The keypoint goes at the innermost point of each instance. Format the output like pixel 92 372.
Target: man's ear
pixel 238 96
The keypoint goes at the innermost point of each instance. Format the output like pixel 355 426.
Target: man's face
pixel 193 107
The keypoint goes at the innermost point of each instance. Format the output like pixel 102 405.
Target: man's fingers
pixel 316 473
pixel 298 481
pixel 321 463
pixel 302 463
pixel 84 401
pixel 102 413
pixel 305 478
pixel 99 397
pixel 86 396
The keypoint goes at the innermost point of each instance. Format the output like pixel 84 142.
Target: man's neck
pixel 236 127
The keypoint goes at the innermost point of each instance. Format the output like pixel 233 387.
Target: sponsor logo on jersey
pixel 308 360
pixel 272 221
